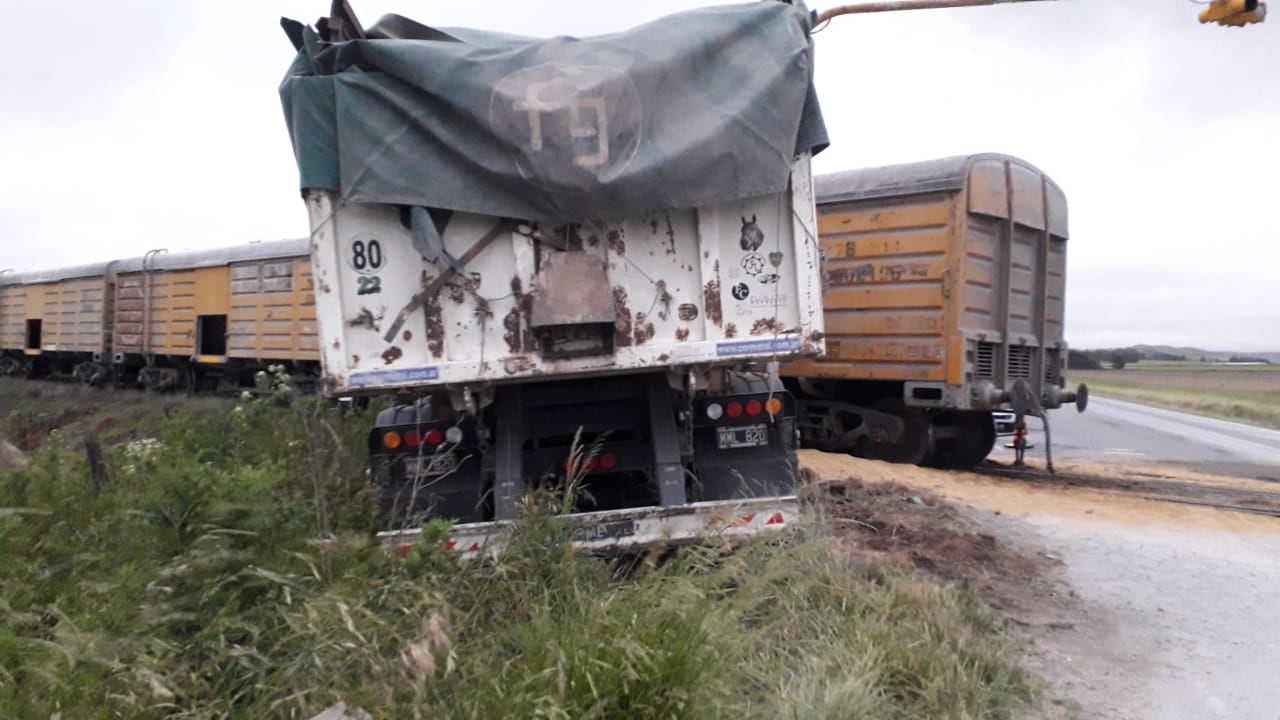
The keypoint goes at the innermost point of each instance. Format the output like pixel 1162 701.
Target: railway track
pixel 1154 489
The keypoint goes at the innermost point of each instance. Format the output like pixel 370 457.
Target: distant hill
pixel 1193 354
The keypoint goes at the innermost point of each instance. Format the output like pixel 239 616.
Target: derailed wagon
pixel 946 289
pixel 607 240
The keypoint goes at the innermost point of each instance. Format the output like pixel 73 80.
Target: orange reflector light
pixel 391 440
pixel 774 406
pixel 754 408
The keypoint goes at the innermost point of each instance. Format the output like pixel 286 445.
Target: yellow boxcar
pixel 203 317
pixel 56 321
pixel 945 300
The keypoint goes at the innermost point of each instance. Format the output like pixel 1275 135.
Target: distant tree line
pixel 1118 358
pixel 1248 359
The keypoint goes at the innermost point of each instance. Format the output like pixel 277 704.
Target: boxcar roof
pixel 191 259
pixel 181 260
pixel 942 174
pixel 53 274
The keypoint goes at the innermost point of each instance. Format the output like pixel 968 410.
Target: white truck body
pixel 733 284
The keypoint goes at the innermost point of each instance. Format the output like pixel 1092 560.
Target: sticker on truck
pixel 758 347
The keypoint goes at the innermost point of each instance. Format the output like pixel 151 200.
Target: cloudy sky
pixel 137 124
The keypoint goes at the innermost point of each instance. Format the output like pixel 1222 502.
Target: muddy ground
pixel 1144 591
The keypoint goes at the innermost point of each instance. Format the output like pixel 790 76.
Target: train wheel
pixel 964 439
pixel 916 443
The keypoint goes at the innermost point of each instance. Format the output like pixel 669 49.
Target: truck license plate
pixel 743 437
pixel 428 465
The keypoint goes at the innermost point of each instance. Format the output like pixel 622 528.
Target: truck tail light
pixel 433 437
pixel 754 408
pixel 412 438
pixel 391 440
pixel 734 409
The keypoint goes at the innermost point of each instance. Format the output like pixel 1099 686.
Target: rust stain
pixel 731 330
pixel 617 243
pixel 511 323
pixel 434 321
pixel 355 360
pixel 593 240
pixel 711 299
pixel 671 234
pixel 457 293
pixel 363 319
pixel 406 335
pixel 392 354
pixel 682 334
pixel 337 345
pixel 324 288
pixel 663 357
pixel 644 331
pixel 766 325
pixel 527 341
pixel 653 226
pixel 622 315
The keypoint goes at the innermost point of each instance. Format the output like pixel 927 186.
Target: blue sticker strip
pixel 768 346
pixel 394 377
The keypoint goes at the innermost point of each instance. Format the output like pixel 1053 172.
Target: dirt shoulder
pixel 1136 602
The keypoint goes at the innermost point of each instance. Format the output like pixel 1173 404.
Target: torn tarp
pixel 694 109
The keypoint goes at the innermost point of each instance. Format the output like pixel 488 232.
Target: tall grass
pixel 229 570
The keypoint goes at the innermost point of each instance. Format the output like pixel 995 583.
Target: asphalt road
pixel 1113 430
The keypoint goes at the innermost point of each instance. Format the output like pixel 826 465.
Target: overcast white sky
pixel 137 124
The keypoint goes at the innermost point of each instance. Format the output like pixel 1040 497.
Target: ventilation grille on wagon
pixel 984 365
pixel 1021 362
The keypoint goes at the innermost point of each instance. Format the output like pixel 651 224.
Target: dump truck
pixel 541 245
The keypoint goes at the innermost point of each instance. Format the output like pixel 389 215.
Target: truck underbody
pixel 640 446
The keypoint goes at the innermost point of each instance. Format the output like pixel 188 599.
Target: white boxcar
pixel 719 286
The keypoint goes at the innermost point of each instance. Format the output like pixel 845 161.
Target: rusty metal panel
pixel 1027 187
pixel 155 312
pixel 726 285
pixel 570 289
pixel 888 268
pixel 988 188
pixel 13 317
pixel 74 316
pixel 931 278
pixel 272 311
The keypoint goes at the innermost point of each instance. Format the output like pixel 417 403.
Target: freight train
pixel 945 287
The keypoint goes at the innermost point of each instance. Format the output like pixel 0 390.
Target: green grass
pixel 1250 395
pixel 229 570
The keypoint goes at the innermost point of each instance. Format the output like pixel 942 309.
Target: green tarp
pixel 693 109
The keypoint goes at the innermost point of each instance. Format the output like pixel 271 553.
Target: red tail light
pixel 411 439
pixel 433 437
pixel 608 462
pixel 734 409
pixel 754 408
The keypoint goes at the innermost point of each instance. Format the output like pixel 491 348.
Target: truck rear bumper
pixel 615 531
